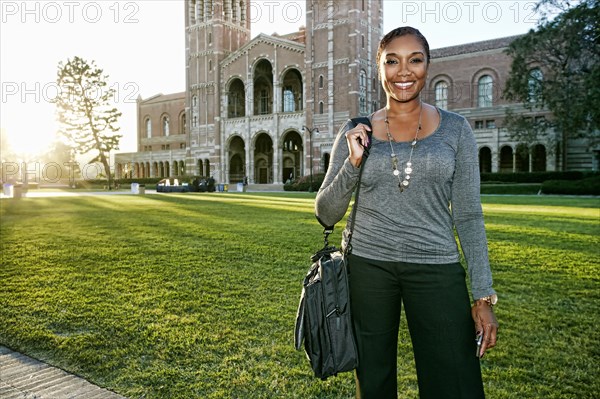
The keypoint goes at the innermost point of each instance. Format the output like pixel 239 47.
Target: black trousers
pixel 438 313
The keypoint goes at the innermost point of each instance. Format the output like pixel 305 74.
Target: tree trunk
pixel 104 161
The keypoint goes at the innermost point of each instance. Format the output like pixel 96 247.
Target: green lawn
pixel 194 295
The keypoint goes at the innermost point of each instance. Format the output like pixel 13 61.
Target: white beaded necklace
pixel 403 182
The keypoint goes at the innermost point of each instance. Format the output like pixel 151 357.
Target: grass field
pixel 194 295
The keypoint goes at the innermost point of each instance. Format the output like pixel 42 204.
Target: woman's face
pixel 403 68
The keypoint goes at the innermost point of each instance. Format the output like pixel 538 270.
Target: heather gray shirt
pixel 417 225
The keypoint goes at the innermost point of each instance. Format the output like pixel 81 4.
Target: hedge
pixel 589 186
pixel 535 177
pixel 511 189
pixel 303 183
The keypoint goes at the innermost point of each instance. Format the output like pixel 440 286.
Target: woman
pixel 421 180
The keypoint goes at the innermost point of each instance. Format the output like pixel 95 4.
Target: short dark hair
pixel 402 31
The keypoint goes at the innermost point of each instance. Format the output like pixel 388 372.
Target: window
pixel 362 105
pixel 210 38
pixel 264 102
pixel 490 124
pixel 182 146
pixel 485 90
pixel 441 95
pixel 182 124
pixel 165 125
pixel 362 38
pixel 478 124
pixel 289 105
pixel 195 101
pixel 148 128
pixel 321 107
pixel 362 81
pixel 195 121
pixel 320 81
pixel 210 65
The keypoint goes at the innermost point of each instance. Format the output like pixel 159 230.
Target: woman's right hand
pixel 357 140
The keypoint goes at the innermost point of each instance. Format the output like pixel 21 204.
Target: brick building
pixel 268 108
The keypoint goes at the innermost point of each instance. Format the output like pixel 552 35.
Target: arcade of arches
pixel 290 155
pixel 518 159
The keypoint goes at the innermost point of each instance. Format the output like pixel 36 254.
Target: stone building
pixel 268 108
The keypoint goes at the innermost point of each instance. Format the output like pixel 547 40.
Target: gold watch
pixel 490 299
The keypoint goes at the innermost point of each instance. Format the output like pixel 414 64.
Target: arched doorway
pixel 522 158
pixel 263 159
pixel 200 168
pixel 485 160
pixel 538 158
pixel 506 159
pixel 237 160
pixel 293 153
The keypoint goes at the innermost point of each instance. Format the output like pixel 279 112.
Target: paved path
pixel 22 377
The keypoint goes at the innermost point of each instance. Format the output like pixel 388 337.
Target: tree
pixel 556 68
pixel 63 155
pixel 87 117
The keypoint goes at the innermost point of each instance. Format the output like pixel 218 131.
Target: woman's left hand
pixel 486 324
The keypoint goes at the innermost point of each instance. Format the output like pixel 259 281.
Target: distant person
pixel 421 181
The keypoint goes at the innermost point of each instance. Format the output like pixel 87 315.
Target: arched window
pixel 362 39
pixel 210 38
pixel 210 65
pixel 195 101
pixel 362 105
pixel 362 81
pixel 320 81
pixel 289 105
pixel 182 123
pixel 148 128
pixel 535 85
pixel 441 94
pixel 321 107
pixel 165 125
pixel 485 87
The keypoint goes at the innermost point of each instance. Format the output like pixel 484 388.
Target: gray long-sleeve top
pixel 417 225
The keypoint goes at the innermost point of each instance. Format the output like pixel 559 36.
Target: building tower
pixel 341 70
pixel 213 30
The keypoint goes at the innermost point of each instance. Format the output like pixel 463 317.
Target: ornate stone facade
pixel 267 109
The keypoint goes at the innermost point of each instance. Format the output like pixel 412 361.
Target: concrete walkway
pixel 22 377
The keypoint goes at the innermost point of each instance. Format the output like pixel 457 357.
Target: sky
pixel 140 45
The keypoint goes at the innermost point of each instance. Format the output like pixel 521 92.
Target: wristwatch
pixel 490 299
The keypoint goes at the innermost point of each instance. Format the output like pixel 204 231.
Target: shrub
pixel 533 177
pixel 303 183
pixel 589 186
pixel 512 189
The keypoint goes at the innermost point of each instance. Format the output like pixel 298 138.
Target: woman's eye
pixel 391 61
pixel 416 60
